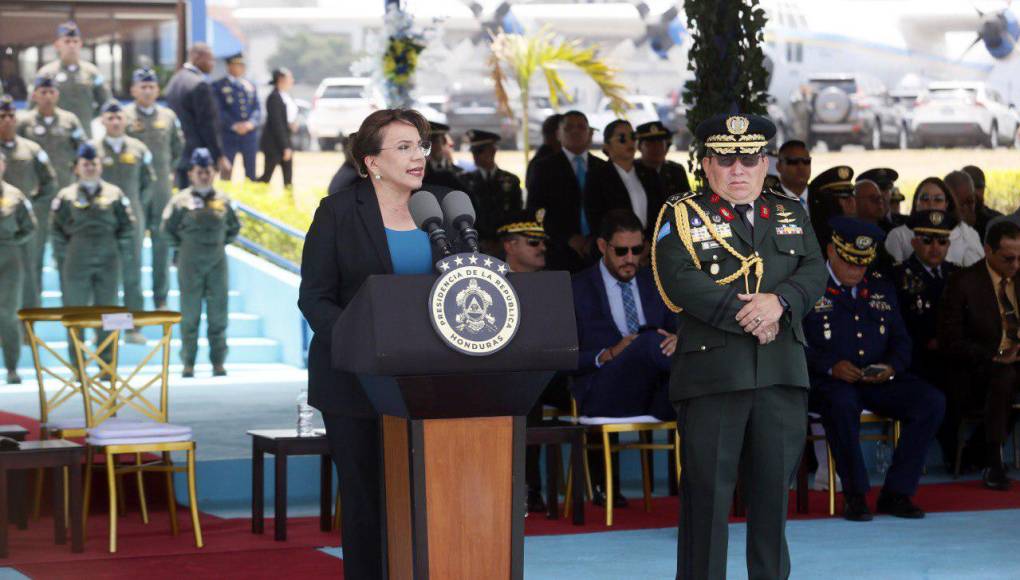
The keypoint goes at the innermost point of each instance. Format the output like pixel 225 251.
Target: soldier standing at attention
pixel 653 140
pixel 496 193
pixel 127 163
pixel 28 169
pixel 741 267
pixel 17 224
pixel 92 229
pixel 82 88
pixel 199 222
pixel 239 116
pixel 158 128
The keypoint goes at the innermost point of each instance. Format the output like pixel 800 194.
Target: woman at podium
pixel 362 230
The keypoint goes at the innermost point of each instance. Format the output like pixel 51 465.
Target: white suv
pixel 339 107
pixel 952 113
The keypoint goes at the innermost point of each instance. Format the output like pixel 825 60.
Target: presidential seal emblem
pixel 472 306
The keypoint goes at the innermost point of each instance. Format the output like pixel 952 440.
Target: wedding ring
pixel 757 320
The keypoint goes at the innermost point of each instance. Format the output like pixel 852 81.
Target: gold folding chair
pixel 69 385
pixel 890 434
pixel 152 434
pixel 602 428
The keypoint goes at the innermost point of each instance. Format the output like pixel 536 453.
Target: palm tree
pixel 525 56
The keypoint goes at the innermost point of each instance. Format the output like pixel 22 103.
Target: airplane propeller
pixel 999 31
pixel 660 34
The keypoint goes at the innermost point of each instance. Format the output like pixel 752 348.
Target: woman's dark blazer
pixel 345 244
pixel 276 134
pixel 605 191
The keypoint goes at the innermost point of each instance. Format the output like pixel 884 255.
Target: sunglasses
pixel 745 160
pixel 935 198
pixel 929 240
pixel 622 251
pixel 797 160
pixel 625 137
pixel 535 243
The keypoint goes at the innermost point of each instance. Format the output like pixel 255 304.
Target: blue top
pixel 410 251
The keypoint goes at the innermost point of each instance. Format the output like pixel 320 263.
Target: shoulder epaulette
pixel 781 193
pixel 678 197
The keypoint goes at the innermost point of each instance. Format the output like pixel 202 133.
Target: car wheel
pixel 327 144
pixel 875 142
pixel 993 137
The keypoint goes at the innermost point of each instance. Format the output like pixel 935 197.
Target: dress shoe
pixel 599 498
pixel 219 371
pixel 898 505
pixel 994 477
pixel 188 372
pixel 535 502
pixel 13 378
pixel 855 508
pixel 135 337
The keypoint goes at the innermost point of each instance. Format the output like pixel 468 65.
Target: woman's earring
pixel 377 176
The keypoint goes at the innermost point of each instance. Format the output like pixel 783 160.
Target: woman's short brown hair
pixel 368 140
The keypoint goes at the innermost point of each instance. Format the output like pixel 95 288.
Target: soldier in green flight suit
pixel 127 163
pixel 741 266
pixel 28 169
pixel 17 226
pixel 82 87
pixel 199 222
pixel 92 229
pixel 159 129
pixel 59 133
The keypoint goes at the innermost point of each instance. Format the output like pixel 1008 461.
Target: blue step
pixel 51 279
pixel 240 325
pixel 51 299
pixel 242 350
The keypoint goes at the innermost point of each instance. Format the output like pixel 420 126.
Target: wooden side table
pixel 283 443
pixel 552 434
pixel 18 481
pixel 54 454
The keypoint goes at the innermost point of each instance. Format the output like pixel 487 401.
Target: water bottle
pixel 882 456
pixel 304 415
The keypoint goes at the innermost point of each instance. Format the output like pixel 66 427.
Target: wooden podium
pixel 453 425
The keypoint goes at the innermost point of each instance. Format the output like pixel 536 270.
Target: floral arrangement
pixel 400 58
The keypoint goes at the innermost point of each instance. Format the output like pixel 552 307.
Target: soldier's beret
pixel 856 241
pixel 235 59
pixel 652 131
pixel 833 181
pixel 144 75
pixel 87 151
pixel 111 106
pixel 478 138
pixel 932 222
pixel 883 176
pixel 735 134
pixel 45 82
pixel 68 29
pixel 438 128
pixel 6 104
pixel 201 158
pixel 527 223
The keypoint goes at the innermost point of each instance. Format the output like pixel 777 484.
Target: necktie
pixel 1010 320
pixel 742 209
pixel 629 307
pixel 581 171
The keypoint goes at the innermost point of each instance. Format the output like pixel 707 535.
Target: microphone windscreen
pixel 425 210
pixel 457 207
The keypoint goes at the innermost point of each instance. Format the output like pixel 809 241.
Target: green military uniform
pixel 29 169
pixel 82 89
pixel 200 227
pixel 130 169
pixel 160 131
pixel 17 226
pixel 741 406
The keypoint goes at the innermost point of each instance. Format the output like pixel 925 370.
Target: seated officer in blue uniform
pixel 240 115
pixel 625 334
pixel 858 354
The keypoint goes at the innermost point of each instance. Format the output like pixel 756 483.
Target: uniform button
pixel 860 353
pixel 856 317
pixel 792 252
pixel 860 335
pixel 702 347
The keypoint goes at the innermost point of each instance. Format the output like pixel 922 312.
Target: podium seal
pixel 472 306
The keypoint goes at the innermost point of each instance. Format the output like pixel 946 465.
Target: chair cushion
pixel 137 430
pixel 136 440
pixel 64 425
pixel 618 420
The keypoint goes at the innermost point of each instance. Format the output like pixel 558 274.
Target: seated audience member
pixel 625 334
pixel 871 208
pixel 965 244
pixel 496 194
pixel 794 167
pixel 622 183
pixel 556 184
pixel 979 329
pixel 885 178
pixel 858 354
pixel 961 186
pixel 984 213
pixel 830 194
pixel 653 140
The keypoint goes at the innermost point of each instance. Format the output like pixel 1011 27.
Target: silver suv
pixel 855 109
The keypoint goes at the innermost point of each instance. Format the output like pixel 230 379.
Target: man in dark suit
pixel 979 329
pixel 858 353
pixel 653 140
pixel 557 183
pixel 625 335
pixel 190 96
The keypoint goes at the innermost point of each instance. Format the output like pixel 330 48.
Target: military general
pixel 741 266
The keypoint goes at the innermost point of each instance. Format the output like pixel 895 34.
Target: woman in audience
pixel 965 246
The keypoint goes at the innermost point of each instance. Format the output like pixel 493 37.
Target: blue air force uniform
pixel 238 102
pixel 863 325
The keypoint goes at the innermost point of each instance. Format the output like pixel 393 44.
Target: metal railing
pixel 275 258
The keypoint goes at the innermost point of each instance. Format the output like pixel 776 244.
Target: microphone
pixel 460 216
pixel 428 216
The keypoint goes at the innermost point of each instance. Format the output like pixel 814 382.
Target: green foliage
pixel 727 60
pixel 261 198
pixel 312 57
